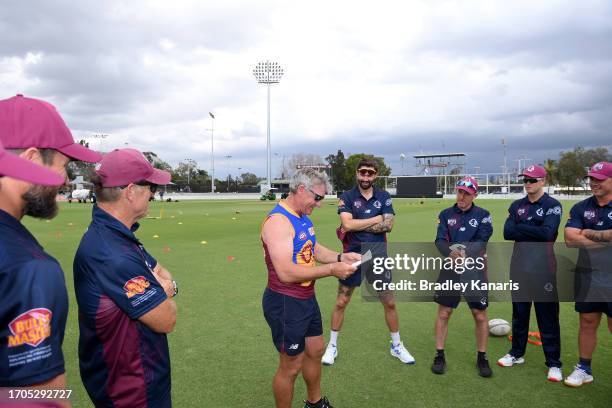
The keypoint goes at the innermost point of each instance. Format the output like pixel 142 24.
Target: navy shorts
pixel 475 298
pixel 594 307
pixel 291 320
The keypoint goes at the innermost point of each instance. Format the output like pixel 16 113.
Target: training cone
pixel 230 258
pixel 155 236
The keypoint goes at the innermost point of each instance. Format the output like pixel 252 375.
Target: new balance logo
pixel 294 346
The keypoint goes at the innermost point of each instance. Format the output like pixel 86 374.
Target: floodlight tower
pixel 268 73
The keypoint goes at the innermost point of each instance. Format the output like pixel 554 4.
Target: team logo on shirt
pixel 31 328
pixel 521 211
pixel 590 214
pixel 473 222
pixel 556 211
pixel 610 215
pixel 136 286
pixel 311 231
pixel 451 222
pixel 302 236
pixel 357 204
pixel 388 202
pixel 377 204
pixel 540 212
pixel 305 254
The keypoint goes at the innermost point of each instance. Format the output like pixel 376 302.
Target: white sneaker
pixel 509 360
pixel 331 352
pixel 554 374
pixel 400 352
pixel 578 377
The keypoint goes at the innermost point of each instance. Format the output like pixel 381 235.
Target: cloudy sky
pixel 385 77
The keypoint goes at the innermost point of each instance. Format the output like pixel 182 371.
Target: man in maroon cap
pixel 533 224
pixel 34 302
pixel 124 294
pixel 589 228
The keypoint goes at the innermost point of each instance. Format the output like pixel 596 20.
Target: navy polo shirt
pixel 33 308
pixel 472 228
pixel 533 222
pixel 122 361
pixel 353 202
pixel 588 214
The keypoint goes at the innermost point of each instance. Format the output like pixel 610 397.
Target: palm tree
pixel 551 172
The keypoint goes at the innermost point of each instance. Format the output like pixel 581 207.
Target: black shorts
pixel 475 298
pixel 291 320
pixel 594 307
pixel 379 250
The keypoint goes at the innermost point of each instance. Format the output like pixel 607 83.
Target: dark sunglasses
pixel 367 172
pixel 317 197
pixel 152 187
pixel 468 184
pixel 530 180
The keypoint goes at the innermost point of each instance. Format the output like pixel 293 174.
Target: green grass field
pixel 221 349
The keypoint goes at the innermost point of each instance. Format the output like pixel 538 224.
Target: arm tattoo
pixel 385 226
pixel 600 236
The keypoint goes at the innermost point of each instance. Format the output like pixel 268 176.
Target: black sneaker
pixel 483 367
pixel 439 364
pixel 323 403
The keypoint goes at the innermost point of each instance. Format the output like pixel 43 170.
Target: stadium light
pixel 212 152
pixel 268 73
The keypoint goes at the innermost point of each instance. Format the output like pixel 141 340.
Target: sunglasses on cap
pixel 367 172
pixel 152 187
pixel 466 183
pixel 317 197
pixel 530 180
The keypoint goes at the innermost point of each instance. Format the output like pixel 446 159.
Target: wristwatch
pixel 340 257
pixel 175 286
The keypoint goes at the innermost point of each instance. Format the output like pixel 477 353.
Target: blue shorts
pixel 291 320
pixel 594 307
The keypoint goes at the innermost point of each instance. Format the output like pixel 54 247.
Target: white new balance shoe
pixel 400 352
pixel 578 377
pixel 555 374
pixel 509 360
pixel 331 352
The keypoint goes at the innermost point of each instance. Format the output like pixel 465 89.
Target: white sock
pixel 333 337
pixel 395 338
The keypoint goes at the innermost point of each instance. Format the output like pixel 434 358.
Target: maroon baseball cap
pixel 468 184
pixel 14 166
pixel 124 166
pixel 28 122
pixel 534 171
pixel 601 171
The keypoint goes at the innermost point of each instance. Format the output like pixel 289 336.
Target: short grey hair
pixel 309 177
pixel 104 194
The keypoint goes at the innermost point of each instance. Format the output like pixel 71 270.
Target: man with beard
pixel 34 301
pixel 589 228
pixel 366 214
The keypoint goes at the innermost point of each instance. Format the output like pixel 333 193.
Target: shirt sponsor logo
pixel 473 222
pixel 302 236
pixel 388 202
pixel 556 211
pixel 357 204
pixel 521 211
pixel 487 220
pixel 31 328
pixel 136 286
pixel 590 214
pixel 451 222
pixel 540 212
pixel 377 204
pixel 311 231
pixel 294 346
